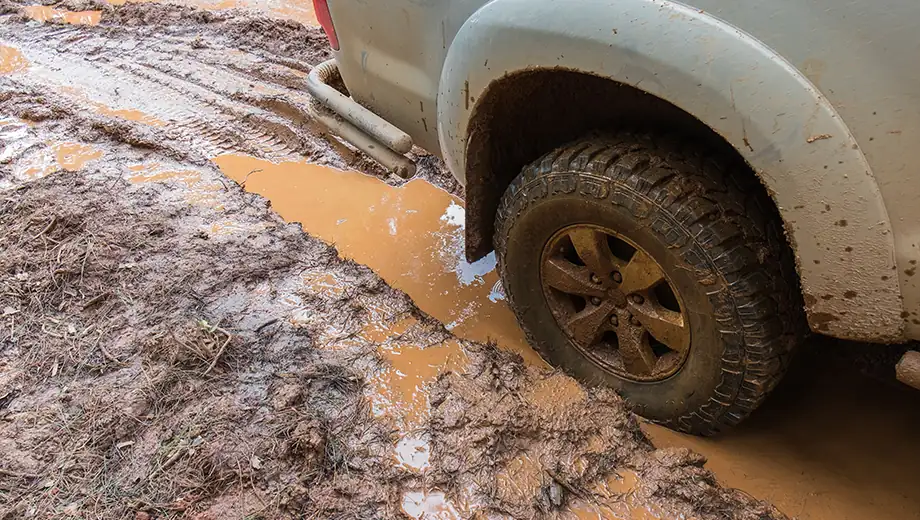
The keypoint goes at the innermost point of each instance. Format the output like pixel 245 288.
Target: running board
pixel 367 131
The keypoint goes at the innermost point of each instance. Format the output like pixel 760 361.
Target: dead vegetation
pixel 125 390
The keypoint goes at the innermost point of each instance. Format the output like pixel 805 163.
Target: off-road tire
pixel 716 235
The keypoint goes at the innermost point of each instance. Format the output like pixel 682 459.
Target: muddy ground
pixel 172 348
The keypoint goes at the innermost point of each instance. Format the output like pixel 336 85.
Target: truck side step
pixel 367 131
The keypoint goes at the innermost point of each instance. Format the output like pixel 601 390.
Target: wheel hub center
pixel 605 293
pixel 616 297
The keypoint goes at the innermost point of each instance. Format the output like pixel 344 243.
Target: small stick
pixel 109 356
pixel 105 353
pixel 50 227
pixel 95 300
pixel 219 352
pixel 180 450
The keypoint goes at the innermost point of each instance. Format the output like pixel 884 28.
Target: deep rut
pixel 187 88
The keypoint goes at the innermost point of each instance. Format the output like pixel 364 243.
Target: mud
pixel 43 13
pixel 834 441
pixel 171 346
pixel 411 234
pixel 11 60
pixel 497 440
pixel 210 374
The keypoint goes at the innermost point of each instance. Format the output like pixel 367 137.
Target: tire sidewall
pixel 601 201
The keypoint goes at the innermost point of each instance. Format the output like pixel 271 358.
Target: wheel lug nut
pixel 596 300
pixel 595 279
pixel 614 320
pixel 637 299
pixel 617 277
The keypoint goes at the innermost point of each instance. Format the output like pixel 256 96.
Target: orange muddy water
pixel 57 156
pixel 412 236
pixel 73 156
pixel 128 114
pixel 12 60
pixel 829 445
pixel 298 10
pixel 43 13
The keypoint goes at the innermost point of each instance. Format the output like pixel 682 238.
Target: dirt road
pixel 171 347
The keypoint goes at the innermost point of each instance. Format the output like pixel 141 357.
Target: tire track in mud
pixel 197 99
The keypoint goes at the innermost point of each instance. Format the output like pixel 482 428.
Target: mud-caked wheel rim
pixel 615 303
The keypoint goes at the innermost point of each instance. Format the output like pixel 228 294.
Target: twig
pixel 50 227
pixel 95 300
pixel 106 354
pixel 16 474
pixel 182 449
pixel 818 138
pixel 246 178
pixel 85 258
pixel 219 352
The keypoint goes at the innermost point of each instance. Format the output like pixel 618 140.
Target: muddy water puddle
pixel 74 156
pixel 128 114
pixel 41 158
pixel 801 453
pixel 400 389
pixel 43 13
pixel 199 192
pixel 12 60
pixel 410 235
pixel 829 444
pixel 299 11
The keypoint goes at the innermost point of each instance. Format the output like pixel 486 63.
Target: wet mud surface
pixel 208 309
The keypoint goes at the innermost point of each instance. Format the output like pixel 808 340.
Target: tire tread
pixel 758 302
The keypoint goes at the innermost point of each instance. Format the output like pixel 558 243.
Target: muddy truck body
pixel 675 193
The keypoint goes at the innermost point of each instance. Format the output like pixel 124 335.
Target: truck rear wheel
pixel 642 266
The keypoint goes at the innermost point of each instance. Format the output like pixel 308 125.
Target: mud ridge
pixel 493 427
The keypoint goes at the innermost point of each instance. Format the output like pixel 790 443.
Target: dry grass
pixel 127 396
pixel 60 278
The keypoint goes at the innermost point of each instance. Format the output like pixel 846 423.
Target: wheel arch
pixel 665 65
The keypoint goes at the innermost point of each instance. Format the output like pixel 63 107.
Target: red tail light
pixel 321 8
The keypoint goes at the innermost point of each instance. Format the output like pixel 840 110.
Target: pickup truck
pixel 675 192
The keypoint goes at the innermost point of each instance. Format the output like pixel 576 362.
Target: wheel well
pixel 524 115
